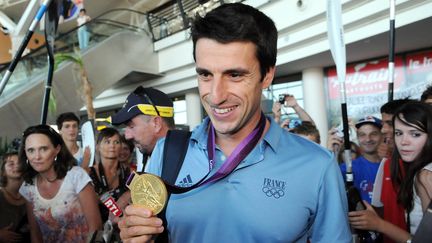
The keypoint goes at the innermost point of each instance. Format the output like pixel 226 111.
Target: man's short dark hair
pixel 64 117
pixel 427 94
pixel 239 22
pixel 391 106
pixel 307 128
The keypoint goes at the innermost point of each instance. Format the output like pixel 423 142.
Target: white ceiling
pixel 410 37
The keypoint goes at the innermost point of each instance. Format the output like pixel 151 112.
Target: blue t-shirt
pixel 288 189
pixel 364 173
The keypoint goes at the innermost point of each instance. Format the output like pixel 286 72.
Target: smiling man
pixel 252 180
pixel 365 167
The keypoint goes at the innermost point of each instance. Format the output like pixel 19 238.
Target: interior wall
pixel 5 45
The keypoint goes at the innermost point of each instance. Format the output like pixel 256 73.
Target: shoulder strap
pixel 175 149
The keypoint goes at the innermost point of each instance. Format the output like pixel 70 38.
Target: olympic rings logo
pixel 273 192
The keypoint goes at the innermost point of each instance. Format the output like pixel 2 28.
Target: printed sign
pixel 367 84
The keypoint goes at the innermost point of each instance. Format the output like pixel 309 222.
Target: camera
pixel 282 98
pixel 294 123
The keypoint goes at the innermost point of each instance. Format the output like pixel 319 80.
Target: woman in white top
pixel 83 35
pixel 411 172
pixel 61 202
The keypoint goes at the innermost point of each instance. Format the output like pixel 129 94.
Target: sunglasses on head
pixel 140 91
pixel 38 128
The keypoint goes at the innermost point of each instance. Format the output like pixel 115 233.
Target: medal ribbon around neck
pixel 239 153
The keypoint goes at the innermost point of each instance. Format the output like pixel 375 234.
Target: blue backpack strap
pixel 175 149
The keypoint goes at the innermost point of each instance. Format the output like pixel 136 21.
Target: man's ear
pixel 268 78
pixel 157 123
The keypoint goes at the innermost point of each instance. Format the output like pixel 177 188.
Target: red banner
pixel 365 78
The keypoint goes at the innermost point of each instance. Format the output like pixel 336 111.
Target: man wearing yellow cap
pixel 148 115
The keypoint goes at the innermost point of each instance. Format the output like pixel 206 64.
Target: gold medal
pixel 149 191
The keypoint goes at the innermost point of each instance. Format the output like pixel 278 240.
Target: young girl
pixel 61 202
pixel 411 171
pixel 13 220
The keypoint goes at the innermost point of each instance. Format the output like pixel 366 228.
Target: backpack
pixel 175 149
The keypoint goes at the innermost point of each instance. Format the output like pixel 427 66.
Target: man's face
pixel 369 137
pixel 387 128
pixel 69 131
pixel 230 86
pixel 141 131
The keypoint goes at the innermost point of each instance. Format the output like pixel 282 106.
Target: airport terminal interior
pixel 126 69
pixel 148 43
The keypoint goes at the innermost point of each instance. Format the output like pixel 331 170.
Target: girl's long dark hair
pixel 419 116
pixel 65 160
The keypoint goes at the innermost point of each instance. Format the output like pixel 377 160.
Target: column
pixel 193 109
pixel 315 99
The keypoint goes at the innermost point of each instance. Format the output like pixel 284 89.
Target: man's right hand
pixel 139 225
pixel 290 101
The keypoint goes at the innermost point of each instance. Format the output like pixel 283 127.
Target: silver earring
pixel 55 159
pixel 27 161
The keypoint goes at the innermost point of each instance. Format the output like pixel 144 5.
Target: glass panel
pixel 293 88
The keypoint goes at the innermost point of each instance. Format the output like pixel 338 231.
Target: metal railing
pixel 168 19
pixel 103 26
pixel 176 15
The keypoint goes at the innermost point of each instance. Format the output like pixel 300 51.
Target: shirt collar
pixel 271 137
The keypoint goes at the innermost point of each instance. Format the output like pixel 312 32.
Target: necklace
pixel 10 194
pixel 49 180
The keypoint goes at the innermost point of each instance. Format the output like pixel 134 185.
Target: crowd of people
pixel 250 177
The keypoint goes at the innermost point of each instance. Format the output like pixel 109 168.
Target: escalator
pixel 116 50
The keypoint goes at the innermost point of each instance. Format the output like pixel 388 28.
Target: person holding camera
pixel 304 126
pixel 289 100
